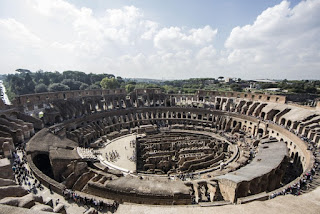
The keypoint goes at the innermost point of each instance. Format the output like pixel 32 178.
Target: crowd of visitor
pixel 90 202
pixel 113 156
pixel 295 189
pixel 22 174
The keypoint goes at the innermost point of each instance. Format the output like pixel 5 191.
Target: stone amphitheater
pixel 151 152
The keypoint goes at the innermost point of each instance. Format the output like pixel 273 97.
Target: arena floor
pixel 125 150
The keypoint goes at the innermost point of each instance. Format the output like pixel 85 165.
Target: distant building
pixel 229 80
pixel 273 89
pixel 254 85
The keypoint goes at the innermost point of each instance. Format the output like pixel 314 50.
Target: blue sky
pixel 163 39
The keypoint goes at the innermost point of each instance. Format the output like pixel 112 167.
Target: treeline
pixel 27 82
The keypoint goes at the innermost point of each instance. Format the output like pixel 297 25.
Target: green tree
pixel 131 82
pixel 170 89
pixel 76 76
pixel 46 80
pixel 309 88
pixel 120 80
pixel 98 77
pixel 130 87
pixel 41 88
pixel 23 71
pixel 16 84
pixel 235 87
pixel 73 85
pixel 58 87
pixel 109 83
pixel 55 77
pixel 94 86
pixel 84 86
pixel 38 76
pixel 28 85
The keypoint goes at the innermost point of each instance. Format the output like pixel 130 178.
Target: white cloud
pixel 174 38
pixel 123 17
pixel 12 30
pixel 151 29
pixel 280 42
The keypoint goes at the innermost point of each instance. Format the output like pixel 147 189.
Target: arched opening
pixel 57 119
pixel 283 121
pixel 296 156
pixel 244 128
pixel 263 114
pixel 234 123
pixel 260 131
pixel 42 162
pixel 289 123
pixel 184 115
pixel 271 114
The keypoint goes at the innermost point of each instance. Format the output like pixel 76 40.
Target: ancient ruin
pixel 147 147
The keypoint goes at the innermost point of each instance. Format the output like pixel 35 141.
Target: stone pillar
pixel 228 190
pixel 196 192
pixel 7 149
pixel 212 188
pixel 266 129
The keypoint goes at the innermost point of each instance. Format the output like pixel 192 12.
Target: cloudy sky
pixel 163 39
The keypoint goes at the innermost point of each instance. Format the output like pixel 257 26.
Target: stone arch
pixel 260 131
pixel 295 159
pixel 57 119
pixel 289 122
pixel 271 114
pixel 42 162
pixel 292 155
pixel 184 115
pixel 244 128
pixel 234 123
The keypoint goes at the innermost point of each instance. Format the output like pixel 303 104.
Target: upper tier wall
pixel 200 94
pixel 244 95
pixel 50 96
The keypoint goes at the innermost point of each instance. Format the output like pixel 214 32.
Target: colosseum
pixel 151 152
